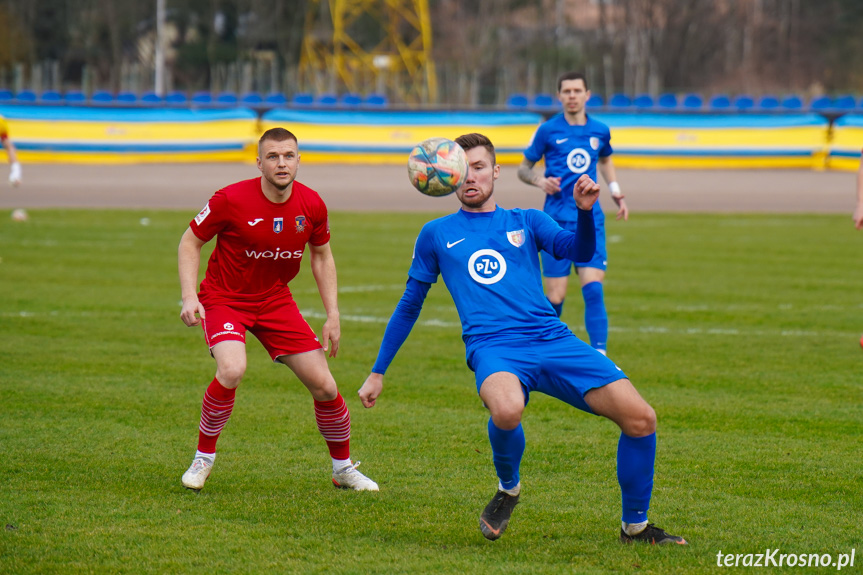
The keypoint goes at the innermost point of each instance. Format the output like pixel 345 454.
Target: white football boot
pixel 197 474
pixel 349 478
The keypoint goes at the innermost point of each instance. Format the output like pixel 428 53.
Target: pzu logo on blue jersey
pixel 486 267
pixel 578 161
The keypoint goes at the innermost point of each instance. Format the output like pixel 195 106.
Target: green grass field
pixel 742 331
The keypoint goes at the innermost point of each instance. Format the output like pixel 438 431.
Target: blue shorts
pixel 555 268
pixel 565 368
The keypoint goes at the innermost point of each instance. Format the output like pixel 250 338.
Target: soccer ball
pixel 437 167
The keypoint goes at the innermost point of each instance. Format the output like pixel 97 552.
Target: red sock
pixel 215 411
pixel 334 423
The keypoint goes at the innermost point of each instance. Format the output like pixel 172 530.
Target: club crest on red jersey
pixel 516 238
pixel 278 224
pixel 300 222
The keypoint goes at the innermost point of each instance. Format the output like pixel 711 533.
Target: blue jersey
pixel 490 265
pixel 569 151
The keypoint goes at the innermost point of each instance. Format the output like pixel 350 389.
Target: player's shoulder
pixel 240 188
pixel 597 124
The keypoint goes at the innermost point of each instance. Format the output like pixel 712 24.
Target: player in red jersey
pixel 263 226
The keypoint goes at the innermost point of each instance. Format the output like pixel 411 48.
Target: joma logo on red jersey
pixel 276 255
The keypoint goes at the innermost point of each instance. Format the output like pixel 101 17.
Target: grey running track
pixel 386 188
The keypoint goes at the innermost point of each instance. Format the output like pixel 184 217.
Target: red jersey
pixel 260 244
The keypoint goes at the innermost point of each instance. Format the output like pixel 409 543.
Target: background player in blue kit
pixel 515 343
pixel 574 144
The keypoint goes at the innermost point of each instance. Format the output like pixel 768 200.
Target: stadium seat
pixel 5 95
pixel 821 103
pixel 176 98
pixel 643 102
pixel 744 103
pixel 860 105
pixel 51 97
pixel 544 101
pixel 595 101
pixel 326 100
pixel 516 102
pixel 227 99
pixel 720 102
pixel 667 101
pixel 692 102
pixel 792 103
pixel 102 97
pixel 376 100
pixel 25 96
pixel 202 98
pixel 350 100
pixel 768 103
pixel 251 99
pixel 75 97
pixel 620 102
pixel 303 99
pixel 127 98
pixel 150 99
pixel 275 99
pixel 844 103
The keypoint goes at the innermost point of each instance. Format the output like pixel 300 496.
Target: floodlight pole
pixel 159 54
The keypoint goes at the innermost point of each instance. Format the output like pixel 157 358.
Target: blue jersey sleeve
pixel 579 246
pixel 606 150
pixel 424 266
pixel 401 323
pixel 536 149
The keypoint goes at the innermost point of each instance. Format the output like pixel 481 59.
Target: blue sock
pixel 558 307
pixel 635 457
pixel 595 318
pixel 507 447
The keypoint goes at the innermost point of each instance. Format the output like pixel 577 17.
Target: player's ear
pixel 496 171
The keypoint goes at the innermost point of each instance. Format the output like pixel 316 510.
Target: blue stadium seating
pixel 102 97
pixel 720 102
pixel 176 98
pixel 667 101
pixel 821 103
pixel 693 102
pixel 5 95
pixel 303 99
pixel 350 100
pixel 149 99
pixel 744 103
pixel 768 103
pixel 376 100
pixel 227 99
pixel 202 98
pixel 75 97
pixel 643 102
pixel 595 101
pixel 792 103
pixel 516 102
pixel 544 100
pixel 275 99
pixel 620 102
pixel 327 100
pixel 844 103
pixel 26 96
pixel 127 98
pixel 51 97
pixel 251 99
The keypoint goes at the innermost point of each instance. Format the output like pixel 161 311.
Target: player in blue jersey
pixel 573 144
pixel 515 343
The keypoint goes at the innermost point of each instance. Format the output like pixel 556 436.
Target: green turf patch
pixel 742 332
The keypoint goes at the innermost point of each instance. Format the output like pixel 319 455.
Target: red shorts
pixel 275 321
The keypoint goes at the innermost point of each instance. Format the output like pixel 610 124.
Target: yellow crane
pixel 369 45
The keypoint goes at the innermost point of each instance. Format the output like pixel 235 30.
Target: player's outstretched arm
pixel 585 192
pixel 606 168
pixel 188 262
pixel 324 270
pixel 371 389
pixel 527 175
